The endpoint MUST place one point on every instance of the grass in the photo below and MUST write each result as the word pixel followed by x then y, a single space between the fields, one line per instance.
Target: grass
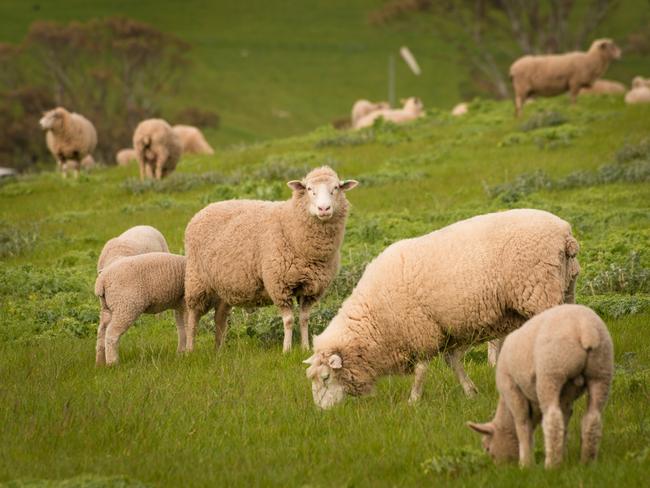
pixel 245 416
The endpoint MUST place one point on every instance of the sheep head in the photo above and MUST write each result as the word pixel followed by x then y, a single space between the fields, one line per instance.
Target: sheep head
pixel 499 442
pixel 326 385
pixel 53 119
pixel 606 48
pixel 323 191
pixel 413 104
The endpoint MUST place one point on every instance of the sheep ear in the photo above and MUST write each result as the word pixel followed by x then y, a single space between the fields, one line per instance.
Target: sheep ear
pixel 348 185
pixel 309 360
pixel 485 429
pixel 335 361
pixel 296 185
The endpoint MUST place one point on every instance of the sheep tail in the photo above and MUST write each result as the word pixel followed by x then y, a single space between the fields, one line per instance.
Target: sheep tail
pixel 571 247
pixel 589 337
pixel 99 288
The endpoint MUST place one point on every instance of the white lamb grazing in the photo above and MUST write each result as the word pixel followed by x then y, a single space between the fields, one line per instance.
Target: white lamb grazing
pixel 140 239
pixel 544 367
pixel 192 140
pixel 640 92
pixel 157 147
pixel 126 156
pixel 362 108
pixel 411 110
pixel 472 281
pixel 70 137
pixel 251 253
pixel 133 285
pixel 553 74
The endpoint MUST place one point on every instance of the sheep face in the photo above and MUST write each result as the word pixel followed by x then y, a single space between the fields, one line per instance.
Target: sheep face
pixel 323 191
pixel 499 443
pixel 325 384
pixel 52 119
pixel 607 48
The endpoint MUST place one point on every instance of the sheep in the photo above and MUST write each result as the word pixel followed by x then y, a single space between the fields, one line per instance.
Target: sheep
pixel 640 92
pixel 70 137
pixel 157 147
pixel 411 110
pixel 253 253
pixel 147 283
pixel 192 140
pixel 125 156
pixel 543 368
pixel 460 109
pixel 140 239
pixel 554 74
pixel 604 87
pixel 469 282
pixel 363 107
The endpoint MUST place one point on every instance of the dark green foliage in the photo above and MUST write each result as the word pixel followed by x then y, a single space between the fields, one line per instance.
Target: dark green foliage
pixel 455 462
pixel 544 119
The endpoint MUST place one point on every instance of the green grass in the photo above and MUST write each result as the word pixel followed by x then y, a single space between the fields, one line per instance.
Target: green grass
pixel 245 416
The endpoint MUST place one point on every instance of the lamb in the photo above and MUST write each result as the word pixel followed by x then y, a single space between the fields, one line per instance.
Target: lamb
pixel 640 92
pixel 466 283
pixel 140 239
pixel 544 367
pixel 460 109
pixel 157 147
pixel 192 140
pixel 604 87
pixel 363 107
pixel 70 137
pixel 252 253
pixel 124 157
pixel 411 110
pixel 554 74
pixel 133 285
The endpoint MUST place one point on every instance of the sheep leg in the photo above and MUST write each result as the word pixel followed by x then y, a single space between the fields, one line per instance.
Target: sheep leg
pixel 148 171
pixel 193 317
pixel 287 319
pixel 142 170
pixel 455 361
pixel 221 312
pixel 305 309
pixel 118 325
pixel 519 103
pixel 100 349
pixel 180 315
pixel 548 391
pixel 494 348
pixel 159 171
pixel 591 428
pixel 520 409
pixel 418 383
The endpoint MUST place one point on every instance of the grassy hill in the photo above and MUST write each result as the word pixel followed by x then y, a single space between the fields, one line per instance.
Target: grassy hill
pixel 245 416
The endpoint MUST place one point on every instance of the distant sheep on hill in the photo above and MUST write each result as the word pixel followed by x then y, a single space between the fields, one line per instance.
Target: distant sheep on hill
pixel 126 156
pixel 361 108
pixel 157 147
pixel 411 110
pixel 604 87
pixel 192 140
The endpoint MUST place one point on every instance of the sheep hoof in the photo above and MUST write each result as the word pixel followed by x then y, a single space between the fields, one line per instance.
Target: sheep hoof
pixel 471 391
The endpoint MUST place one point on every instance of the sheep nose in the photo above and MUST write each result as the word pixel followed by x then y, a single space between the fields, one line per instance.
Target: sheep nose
pixel 325 209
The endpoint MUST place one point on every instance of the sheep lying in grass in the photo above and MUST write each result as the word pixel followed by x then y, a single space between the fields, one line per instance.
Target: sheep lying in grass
pixel 460 109
pixel 126 156
pixel 554 74
pixel 543 368
pixel 604 87
pixel 131 286
pixel 466 283
pixel 140 239
pixel 361 108
pixel 411 110
pixel 192 140
pixel 253 253
pixel 70 137
pixel 157 147
pixel 640 92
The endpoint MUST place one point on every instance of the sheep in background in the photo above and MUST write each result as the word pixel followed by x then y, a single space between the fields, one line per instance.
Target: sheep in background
pixel 140 239
pixel 412 109
pixel 460 109
pixel 544 367
pixel 361 108
pixel 604 87
pixel 192 140
pixel 251 253
pixel 640 92
pixel 157 147
pixel 126 156
pixel 466 283
pixel 147 283
pixel 70 137
pixel 554 74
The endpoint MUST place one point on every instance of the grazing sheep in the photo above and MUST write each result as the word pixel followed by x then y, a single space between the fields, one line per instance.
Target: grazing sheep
pixel 604 87
pixel 124 157
pixel 192 140
pixel 466 283
pixel 362 108
pixel 157 147
pixel 140 239
pixel 253 253
pixel 554 74
pixel 412 109
pixel 460 109
pixel 543 368
pixel 70 137
pixel 640 92
pixel 133 285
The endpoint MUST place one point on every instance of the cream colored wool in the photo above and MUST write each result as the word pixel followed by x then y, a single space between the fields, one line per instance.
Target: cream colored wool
pixel 192 140
pixel 411 110
pixel 604 87
pixel 146 283
pixel 252 253
pixel 126 156
pixel 543 368
pixel 157 147
pixel 140 239
pixel 460 109
pixel 70 137
pixel 640 92
pixel 553 74
pixel 469 282
pixel 362 108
